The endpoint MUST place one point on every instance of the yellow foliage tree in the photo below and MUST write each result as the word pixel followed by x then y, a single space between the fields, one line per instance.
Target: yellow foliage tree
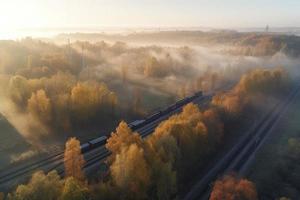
pixel 74 190
pixel 190 135
pixel 232 188
pixel 123 137
pixel 258 82
pixel 40 186
pixel 130 172
pixel 40 106
pixel 90 97
pixel 73 159
pixel 19 90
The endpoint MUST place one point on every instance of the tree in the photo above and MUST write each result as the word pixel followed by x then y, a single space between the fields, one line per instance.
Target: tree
pixel 189 134
pixel 40 186
pixel 90 98
pixel 104 191
pixel 40 106
pixel 233 188
pixel 61 112
pixel 152 67
pixel 123 137
pixel 233 103
pixel 81 99
pixel 130 172
pixel 164 146
pixel 74 190
pixel 214 126
pixel 73 159
pixel 165 180
pixel 19 91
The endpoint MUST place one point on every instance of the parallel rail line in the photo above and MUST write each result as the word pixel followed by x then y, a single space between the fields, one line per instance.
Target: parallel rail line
pixel 236 158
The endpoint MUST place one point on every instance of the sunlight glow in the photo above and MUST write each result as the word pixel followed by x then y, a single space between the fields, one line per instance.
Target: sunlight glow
pixel 32 14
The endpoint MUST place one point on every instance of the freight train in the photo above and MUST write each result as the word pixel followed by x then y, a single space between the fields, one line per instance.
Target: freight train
pixel 139 123
pixel 93 144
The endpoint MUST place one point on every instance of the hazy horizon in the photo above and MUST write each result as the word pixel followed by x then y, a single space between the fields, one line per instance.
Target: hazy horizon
pixel 48 32
pixel 233 14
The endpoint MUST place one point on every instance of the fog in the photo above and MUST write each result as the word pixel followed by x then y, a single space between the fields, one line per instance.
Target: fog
pixel 145 76
pixel 30 129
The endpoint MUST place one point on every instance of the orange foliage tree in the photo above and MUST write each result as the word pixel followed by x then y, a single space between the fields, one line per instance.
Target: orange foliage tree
pixel 123 137
pixel 40 106
pixel 233 188
pixel 255 83
pixel 73 159
pixel 131 172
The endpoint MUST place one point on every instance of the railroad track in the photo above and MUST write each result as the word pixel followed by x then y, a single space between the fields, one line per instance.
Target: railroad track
pixel 55 161
pixel 238 156
pixel 144 132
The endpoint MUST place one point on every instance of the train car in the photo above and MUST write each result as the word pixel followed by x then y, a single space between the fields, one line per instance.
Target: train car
pixel 136 124
pixel 85 147
pixel 153 116
pixel 199 94
pixel 98 142
pixel 170 108
pixel 181 102
pixel 190 99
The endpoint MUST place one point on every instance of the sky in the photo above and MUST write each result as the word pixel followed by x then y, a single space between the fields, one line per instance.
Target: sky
pixel 148 13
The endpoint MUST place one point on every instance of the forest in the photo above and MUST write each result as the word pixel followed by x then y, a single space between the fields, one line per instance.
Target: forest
pixel 70 88
pixel 232 42
pixel 159 166
pixel 149 100
pixel 68 91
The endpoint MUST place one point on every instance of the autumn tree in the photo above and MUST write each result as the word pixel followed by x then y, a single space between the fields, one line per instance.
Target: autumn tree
pixel 215 126
pixel 123 137
pixel 19 91
pixel 40 186
pixel 40 106
pixel 135 163
pixel 73 159
pixel 88 98
pixel 74 190
pixel 178 138
pixel 264 81
pixel 256 83
pixel 131 172
pixel 62 112
pixel 233 188
pixel 83 102
pixel 151 67
pixel 164 178
pixel 104 190
pixel 233 103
